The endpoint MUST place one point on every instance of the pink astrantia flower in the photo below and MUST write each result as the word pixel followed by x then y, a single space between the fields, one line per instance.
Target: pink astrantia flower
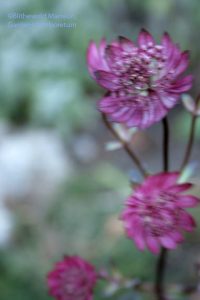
pixel 155 213
pixel 142 81
pixel 72 279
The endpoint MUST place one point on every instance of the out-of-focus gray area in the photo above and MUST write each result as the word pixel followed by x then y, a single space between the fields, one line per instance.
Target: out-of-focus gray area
pixel 61 192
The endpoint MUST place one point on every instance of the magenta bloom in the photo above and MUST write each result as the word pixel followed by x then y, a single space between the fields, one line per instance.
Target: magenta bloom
pixel 155 213
pixel 72 279
pixel 142 81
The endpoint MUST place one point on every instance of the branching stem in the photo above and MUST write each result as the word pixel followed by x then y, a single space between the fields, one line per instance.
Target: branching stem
pixel 125 146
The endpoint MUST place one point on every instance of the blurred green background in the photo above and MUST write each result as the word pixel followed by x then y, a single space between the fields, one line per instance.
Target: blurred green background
pixel 60 191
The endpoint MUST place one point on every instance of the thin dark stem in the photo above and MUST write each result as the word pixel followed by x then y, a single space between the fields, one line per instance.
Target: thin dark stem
pixel 161 264
pixel 125 146
pixel 159 289
pixel 189 144
pixel 165 145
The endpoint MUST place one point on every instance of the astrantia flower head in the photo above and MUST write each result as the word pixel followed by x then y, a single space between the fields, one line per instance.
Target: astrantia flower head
pixel 72 279
pixel 142 81
pixel 155 213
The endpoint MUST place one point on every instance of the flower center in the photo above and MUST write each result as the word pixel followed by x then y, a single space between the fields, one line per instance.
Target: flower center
pixel 74 284
pixel 139 72
pixel 159 215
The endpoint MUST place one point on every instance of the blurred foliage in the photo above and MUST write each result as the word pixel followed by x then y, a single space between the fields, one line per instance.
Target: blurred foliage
pixel 44 83
pixel 44 80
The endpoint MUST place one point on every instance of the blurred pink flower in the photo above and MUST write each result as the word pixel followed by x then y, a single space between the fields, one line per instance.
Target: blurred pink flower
pixel 72 279
pixel 142 81
pixel 155 213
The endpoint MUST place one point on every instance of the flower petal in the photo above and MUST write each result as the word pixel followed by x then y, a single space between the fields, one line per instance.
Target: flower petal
pixel 135 118
pixel 187 201
pixel 121 115
pixel 107 104
pixel 186 221
pixel 145 39
pixel 173 60
pixel 168 99
pixel 176 236
pixel 182 64
pixel 113 55
pixel 168 242
pixel 92 57
pixel 139 239
pixel 181 85
pixel 152 244
pixel 135 232
pixel 178 188
pixel 95 57
pixel 102 63
pixel 167 44
pixel 161 180
pixel 159 110
pixel 107 80
pixel 126 44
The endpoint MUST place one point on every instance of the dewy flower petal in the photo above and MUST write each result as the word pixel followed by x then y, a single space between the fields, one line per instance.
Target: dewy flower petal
pixel 143 80
pixel 155 214
pixel 72 279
